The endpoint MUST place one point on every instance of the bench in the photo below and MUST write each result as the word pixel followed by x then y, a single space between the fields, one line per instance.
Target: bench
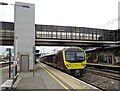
pixel 9 83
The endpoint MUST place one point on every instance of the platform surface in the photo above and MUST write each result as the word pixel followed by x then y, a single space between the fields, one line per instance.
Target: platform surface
pixel 46 77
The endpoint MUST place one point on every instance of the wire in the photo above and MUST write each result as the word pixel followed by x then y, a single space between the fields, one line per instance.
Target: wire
pixel 110 22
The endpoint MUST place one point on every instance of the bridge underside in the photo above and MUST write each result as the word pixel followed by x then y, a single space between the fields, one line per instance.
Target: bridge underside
pixel 51 42
pixel 48 42
pixel 7 42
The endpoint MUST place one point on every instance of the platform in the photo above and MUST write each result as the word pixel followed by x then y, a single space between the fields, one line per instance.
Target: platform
pixel 46 77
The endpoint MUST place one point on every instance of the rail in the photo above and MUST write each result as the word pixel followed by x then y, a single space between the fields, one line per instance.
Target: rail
pixel 104 66
pixel 105 73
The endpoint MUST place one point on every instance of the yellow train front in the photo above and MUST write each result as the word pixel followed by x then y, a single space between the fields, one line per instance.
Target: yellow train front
pixel 71 60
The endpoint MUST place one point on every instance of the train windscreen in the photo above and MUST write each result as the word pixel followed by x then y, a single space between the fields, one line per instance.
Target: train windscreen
pixel 75 56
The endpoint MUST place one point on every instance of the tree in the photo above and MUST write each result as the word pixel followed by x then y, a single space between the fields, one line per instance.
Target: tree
pixel 2 57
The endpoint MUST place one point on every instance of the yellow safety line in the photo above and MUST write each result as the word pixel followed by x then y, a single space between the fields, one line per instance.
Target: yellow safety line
pixel 56 79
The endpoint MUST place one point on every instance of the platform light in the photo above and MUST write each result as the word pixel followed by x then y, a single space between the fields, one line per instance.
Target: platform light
pixel 1 3
pixel 24 6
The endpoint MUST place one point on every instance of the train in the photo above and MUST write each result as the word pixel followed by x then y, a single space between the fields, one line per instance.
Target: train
pixel 71 60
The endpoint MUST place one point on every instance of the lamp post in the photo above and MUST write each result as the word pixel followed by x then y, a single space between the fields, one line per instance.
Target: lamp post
pixel 9 63
pixel 25 6
pixel 15 55
pixel 9 50
pixel 2 3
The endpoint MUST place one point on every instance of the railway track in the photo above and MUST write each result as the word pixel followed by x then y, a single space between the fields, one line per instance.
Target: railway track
pixel 105 73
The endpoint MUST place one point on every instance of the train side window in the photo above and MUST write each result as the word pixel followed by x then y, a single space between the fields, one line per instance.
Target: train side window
pixel 55 59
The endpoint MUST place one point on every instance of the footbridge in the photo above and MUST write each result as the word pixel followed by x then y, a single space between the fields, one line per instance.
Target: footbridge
pixel 53 35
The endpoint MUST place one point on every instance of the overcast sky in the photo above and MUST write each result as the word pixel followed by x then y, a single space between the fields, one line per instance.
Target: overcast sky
pixel 81 13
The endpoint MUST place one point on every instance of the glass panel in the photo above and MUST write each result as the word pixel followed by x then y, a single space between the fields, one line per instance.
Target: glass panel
pixel 73 36
pixel 54 34
pixel 68 29
pixel 86 35
pixel 82 30
pixel 54 28
pixel 49 34
pixel 44 27
pixel 82 36
pixel 70 56
pixel 79 56
pixel 77 35
pixel 44 34
pixel 58 34
pixel 94 37
pixel 98 37
pixel 63 35
pixel 90 36
pixel 77 29
pixel 68 35
pixel 75 57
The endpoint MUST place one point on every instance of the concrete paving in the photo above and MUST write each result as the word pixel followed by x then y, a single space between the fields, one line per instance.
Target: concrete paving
pixel 41 80
pixel 4 75
pixel 47 78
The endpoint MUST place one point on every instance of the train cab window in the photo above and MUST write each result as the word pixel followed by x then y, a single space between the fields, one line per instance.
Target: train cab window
pixel 79 56
pixel 70 56
pixel 75 57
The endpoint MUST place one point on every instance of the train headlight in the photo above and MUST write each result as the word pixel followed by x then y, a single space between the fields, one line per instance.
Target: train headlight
pixel 68 65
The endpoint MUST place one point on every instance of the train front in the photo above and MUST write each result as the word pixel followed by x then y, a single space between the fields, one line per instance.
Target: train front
pixel 74 60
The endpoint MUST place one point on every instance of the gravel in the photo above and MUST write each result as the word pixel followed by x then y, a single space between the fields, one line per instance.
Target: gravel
pixel 102 82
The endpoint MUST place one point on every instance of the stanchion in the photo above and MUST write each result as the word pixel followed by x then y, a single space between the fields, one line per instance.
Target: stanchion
pixel 9 63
